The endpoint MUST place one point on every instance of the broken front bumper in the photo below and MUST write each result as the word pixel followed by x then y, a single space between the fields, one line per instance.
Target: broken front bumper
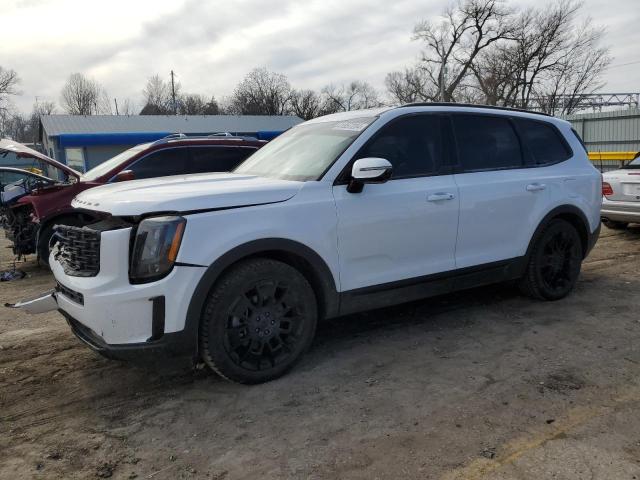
pixel 169 344
pixel 45 302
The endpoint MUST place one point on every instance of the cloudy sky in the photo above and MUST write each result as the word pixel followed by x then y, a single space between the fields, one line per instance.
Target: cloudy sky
pixel 211 45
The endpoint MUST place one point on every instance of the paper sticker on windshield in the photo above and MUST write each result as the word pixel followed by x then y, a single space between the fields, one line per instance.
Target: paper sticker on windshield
pixel 355 125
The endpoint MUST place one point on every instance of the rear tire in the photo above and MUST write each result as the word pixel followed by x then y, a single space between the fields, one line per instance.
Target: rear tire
pixel 612 224
pixel 555 262
pixel 258 321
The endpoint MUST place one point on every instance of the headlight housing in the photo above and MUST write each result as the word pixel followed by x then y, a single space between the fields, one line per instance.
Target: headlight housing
pixel 155 248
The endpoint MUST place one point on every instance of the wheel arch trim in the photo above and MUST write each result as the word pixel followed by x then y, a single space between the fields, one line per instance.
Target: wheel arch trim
pixel 276 248
pixel 576 217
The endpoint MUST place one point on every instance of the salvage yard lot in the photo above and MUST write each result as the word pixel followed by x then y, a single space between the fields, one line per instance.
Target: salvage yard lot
pixel 480 384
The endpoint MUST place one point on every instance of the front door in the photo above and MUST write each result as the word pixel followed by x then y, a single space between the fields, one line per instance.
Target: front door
pixel 404 228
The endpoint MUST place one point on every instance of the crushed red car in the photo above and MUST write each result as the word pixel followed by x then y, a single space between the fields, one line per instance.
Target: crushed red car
pixel 30 210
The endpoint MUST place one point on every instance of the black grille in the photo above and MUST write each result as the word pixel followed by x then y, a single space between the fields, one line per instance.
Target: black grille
pixel 78 250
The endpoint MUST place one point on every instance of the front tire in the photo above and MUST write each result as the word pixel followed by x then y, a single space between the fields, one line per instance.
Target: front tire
pixel 555 262
pixel 258 321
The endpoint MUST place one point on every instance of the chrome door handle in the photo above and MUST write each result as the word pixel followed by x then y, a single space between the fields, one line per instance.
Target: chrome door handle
pixel 536 187
pixel 437 197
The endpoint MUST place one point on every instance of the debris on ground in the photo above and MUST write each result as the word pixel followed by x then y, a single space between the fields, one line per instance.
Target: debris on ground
pixel 12 274
pixel 488 452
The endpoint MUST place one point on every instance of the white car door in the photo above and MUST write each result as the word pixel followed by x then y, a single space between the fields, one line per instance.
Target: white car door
pixel 404 228
pixel 504 189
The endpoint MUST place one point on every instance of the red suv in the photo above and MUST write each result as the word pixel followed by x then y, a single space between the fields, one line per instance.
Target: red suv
pixel 32 206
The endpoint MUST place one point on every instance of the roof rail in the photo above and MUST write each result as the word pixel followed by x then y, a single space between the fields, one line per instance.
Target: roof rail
pixel 231 136
pixel 175 135
pixel 171 136
pixel 221 134
pixel 471 105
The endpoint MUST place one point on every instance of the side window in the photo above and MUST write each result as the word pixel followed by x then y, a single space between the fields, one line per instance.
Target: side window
pixel 171 161
pixel 486 143
pixel 412 144
pixel 11 177
pixel 217 159
pixel 543 142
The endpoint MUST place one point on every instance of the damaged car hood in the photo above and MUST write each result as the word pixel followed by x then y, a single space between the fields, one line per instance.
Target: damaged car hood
pixel 186 193
pixel 22 151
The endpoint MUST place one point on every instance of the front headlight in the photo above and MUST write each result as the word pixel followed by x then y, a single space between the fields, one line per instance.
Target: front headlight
pixel 155 248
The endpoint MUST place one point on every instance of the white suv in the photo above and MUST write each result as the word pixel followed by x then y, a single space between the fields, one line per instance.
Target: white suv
pixel 340 214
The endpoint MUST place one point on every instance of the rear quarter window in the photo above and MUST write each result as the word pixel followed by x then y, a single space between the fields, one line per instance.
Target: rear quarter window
pixel 486 142
pixel 543 142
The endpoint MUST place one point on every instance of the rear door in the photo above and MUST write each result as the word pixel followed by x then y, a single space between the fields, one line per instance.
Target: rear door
pixel 404 228
pixel 161 163
pixel 216 158
pixel 501 196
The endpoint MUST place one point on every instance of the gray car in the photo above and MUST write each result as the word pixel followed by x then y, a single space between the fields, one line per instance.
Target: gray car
pixel 621 195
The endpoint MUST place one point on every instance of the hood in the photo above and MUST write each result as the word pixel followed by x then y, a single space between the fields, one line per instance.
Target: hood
pixel 25 152
pixel 185 193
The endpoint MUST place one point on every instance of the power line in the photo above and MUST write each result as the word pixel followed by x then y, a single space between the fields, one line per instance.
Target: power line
pixel 624 64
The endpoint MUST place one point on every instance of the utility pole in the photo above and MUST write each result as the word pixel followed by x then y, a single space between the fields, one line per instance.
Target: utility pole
pixel 115 100
pixel 441 80
pixel 173 94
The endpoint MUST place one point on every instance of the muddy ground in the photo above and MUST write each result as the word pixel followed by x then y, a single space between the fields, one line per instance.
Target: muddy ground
pixel 483 384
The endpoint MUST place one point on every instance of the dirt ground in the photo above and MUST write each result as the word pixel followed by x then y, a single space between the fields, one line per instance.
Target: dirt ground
pixel 483 384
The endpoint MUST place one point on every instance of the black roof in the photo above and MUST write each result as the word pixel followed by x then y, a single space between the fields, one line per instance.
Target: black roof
pixel 471 105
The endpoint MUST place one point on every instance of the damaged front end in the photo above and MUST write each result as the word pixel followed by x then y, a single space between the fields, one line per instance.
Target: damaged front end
pixel 21 228
pixel 26 175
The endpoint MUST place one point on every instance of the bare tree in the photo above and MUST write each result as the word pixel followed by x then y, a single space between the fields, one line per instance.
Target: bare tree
pixel 195 104
pixel 452 45
pixel 84 96
pixel 157 97
pixel 8 82
pixel 549 62
pixel 306 104
pixel 16 126
pixel 32 133
pixel 409 86
pixel 496 76
pixel 261 92
pixel 355 95
pixel 579 72
pixel 126 107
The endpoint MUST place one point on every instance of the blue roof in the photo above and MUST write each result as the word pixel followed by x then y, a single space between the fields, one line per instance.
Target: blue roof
pixel 90 139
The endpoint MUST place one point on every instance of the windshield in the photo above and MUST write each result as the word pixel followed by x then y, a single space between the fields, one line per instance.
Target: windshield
pixel 113 162
pixel 33 165
pixel 306 151
pixel 635 163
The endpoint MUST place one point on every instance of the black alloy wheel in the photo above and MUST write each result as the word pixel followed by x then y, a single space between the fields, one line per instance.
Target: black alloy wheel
pixel 555 262
pixel 259 320
pixel 263 325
